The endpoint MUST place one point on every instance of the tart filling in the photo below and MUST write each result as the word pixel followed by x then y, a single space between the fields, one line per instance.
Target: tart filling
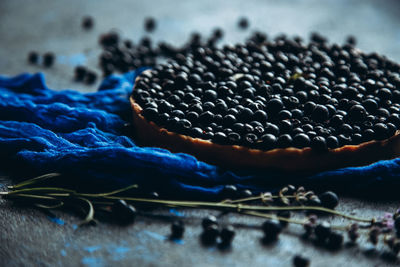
pixel 291 159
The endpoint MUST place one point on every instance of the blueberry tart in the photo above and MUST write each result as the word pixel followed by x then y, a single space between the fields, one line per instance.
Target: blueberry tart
pixel 278 105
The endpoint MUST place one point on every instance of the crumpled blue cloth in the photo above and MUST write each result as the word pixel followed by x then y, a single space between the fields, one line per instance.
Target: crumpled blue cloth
pixel 84 135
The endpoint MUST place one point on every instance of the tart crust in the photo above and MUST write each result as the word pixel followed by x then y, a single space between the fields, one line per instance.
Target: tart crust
pixel 236 157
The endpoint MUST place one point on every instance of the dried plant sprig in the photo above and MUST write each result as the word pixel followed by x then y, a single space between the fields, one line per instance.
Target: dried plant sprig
pixel 56 197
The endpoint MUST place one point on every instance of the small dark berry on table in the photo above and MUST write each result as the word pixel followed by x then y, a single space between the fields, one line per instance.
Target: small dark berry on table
pixel 284 214
pixel 301 261
pixel 374 235
pixel 351 40
pixel 329 200
pixel 209 235
pixel 243 23
pixel 87 22
pixel 123 213
pixel 335 240
pixel 33 57
pixel 322 231
pixel 48 59
pixel 229 191
pixel 177 229
pixel 352 232
pixel 271 229
pixel 209 220
pixel 218 33
pixel 80 73
pixel 91 77
pixel 150 24
pixel 227 234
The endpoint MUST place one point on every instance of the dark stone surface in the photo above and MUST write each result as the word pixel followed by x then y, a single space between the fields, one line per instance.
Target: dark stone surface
pixel 29 238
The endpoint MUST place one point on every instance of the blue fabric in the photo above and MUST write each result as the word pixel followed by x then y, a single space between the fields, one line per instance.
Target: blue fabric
pixel 83 135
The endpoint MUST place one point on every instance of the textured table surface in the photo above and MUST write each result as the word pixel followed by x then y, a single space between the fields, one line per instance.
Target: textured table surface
pixel 29 238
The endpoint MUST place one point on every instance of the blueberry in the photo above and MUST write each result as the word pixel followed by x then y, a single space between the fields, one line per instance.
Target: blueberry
pixel 285 126
pixel 210 95
pixel 80 73
pixel 322 231
pixel 250 139
pixel 329 199
pixel 274 106
pixel 87 22
pixel 150 24
pixel 332 142
pixel 318 143
pixel 320 113
pixel 261 116
pixel 177 229
pixel 206 117
pixel 284 115
pixel 301 140
pixel 210 234
pixel 220 138
pixel 284 141
pixel 48 59
pixel 33 57
pixel 300 261
pixel 227 234
pixel 335 240
pixel 123 213
pixel 271 229
pixel 357 113
pixel 381 131
pixel 243 23
pixel 150 114
pixel 284 214
pixel 272 129
pixel 370 105
pixel 246 114
pixel 268 141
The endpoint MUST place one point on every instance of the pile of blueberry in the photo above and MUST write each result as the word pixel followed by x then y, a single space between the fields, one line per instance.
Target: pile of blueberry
pixel 275 94
pixel 123 55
